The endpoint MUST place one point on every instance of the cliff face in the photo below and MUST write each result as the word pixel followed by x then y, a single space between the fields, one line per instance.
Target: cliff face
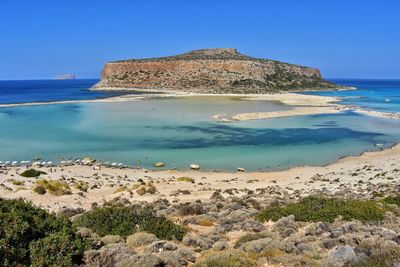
pixel 221 70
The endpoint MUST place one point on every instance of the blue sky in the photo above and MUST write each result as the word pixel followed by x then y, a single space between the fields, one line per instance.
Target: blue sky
pixel 348 39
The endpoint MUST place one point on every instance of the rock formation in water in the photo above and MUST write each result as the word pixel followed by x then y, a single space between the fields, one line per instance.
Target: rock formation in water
pixel 219 70
pixel 64 77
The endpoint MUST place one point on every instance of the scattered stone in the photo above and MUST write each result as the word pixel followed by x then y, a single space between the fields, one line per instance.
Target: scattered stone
pixel 159 164
pixel 69 212
pixel 341 256
pixel 197 242
pixel 286 226
pixel 256 246
pixel 161 245
pixel 195 167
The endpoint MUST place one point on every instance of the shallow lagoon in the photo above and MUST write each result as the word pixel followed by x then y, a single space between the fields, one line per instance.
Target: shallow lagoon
pixel 181 131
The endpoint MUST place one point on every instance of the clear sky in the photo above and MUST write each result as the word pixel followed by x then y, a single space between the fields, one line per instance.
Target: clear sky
pixel 347 39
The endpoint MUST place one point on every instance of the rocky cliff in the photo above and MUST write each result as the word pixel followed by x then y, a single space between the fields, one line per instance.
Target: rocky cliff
pixel 220 70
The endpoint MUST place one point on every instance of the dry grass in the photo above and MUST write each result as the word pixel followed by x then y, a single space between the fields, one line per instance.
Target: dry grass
pixel 148 188
pixel 81 185
pixel 16 182
pixel 19 188
pixel 206 222
pixel 54 187
pixel 185 179
pixel 120 189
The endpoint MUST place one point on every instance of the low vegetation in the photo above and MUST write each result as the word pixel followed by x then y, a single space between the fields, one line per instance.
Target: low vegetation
pixel 185 179
pixel 30 236
pixel 16 182
pixel 324 209
pixel 392 200
pixel 206 222
pixel 148 188
pixel 124 221
pixel 81 185
pixel 32 173
pixel 250 237
pixel 378 255
pixel 226 258
pixel 140 239
pixel 54 187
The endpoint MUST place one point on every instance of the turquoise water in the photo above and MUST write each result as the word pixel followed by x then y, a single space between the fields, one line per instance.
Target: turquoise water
pixel 181 131
pixel 380 95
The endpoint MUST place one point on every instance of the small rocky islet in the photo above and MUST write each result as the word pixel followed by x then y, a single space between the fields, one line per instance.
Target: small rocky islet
pixel 211 71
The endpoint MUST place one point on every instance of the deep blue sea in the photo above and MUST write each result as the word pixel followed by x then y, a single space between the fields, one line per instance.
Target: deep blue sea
pixel 181 131
pixel 26 91
pixel 381 95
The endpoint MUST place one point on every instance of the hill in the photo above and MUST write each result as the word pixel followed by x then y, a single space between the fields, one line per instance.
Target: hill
pixel 218 70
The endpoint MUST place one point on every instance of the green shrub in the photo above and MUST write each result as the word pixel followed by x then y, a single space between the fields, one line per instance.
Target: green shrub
pixel 319 208
pixel 32 173
pixel 127 220
pixel 57 249
pixel 226 258
pixel 31 236
pixel 392 200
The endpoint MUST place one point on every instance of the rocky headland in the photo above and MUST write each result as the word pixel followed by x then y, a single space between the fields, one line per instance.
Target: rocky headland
pixel 215 71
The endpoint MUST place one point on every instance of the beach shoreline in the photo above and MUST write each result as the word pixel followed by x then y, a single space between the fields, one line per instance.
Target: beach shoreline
pixel 106 183
pixel 302 104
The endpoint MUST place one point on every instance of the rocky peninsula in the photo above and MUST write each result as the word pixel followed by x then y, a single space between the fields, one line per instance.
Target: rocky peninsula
pixel 211 71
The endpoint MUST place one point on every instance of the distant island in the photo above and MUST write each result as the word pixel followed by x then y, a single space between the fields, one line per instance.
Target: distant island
pixel 64 77
pixel 217 70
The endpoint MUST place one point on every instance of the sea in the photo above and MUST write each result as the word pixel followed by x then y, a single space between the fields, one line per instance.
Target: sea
pixel 181 131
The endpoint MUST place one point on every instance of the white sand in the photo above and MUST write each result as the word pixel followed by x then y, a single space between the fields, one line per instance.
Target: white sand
pixel 108 180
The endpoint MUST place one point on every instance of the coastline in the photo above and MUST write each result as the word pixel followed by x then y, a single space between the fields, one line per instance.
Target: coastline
pixel 107 183
pixel 302 104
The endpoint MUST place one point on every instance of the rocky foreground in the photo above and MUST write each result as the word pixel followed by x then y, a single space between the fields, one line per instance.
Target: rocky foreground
pixel 221 71
pixel 343 214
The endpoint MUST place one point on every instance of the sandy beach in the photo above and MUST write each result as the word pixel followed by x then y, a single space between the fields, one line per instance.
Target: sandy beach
pixel 106 183
pixel 301 104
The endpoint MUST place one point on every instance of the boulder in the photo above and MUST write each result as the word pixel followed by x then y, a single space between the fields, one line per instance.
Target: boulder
pixel 108 256
pixel 159 164
pixel 195 167
pixel 161 245
pixel 88 161
pixel 69 212
pixel 256 246
pixel 197 242
pixel 286 226
pixel 341 256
